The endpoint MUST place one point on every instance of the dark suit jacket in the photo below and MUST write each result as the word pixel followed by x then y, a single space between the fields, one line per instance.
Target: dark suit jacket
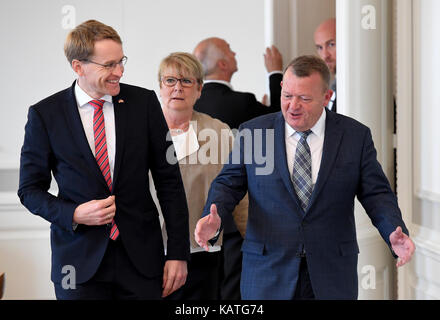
pixel 277 225
pixel 234 108
pixel 55 143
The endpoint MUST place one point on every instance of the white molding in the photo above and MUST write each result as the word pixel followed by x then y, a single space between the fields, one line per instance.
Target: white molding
pixel 36 234
pixel 268 22
pixel 427 290
pixel 9 201
pixel 8 162
pixel 16 223
pixel 424 280
pixel 293 30
pixel 428 195
pixel 427 241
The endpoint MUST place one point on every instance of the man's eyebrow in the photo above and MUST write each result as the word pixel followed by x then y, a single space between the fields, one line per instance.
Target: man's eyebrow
pixel 113 61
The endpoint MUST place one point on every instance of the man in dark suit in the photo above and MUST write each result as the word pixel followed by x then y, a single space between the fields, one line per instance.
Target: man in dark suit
pixel 325 42
pixel 301 237
pixel 220 101
pixel 99 138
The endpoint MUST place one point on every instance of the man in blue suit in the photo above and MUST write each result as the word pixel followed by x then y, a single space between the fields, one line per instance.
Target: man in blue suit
pixel 301 237
pixel 99 138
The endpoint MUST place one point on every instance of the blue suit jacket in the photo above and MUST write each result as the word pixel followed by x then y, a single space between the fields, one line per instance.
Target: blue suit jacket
pixel 277 225
pixel 55 143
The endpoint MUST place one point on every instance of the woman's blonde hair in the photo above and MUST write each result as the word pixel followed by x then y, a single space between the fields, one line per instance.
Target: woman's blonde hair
pixel 184 63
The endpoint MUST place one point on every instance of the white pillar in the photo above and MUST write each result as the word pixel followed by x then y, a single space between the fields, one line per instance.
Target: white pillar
pixel 404 119
pixel 277 29
pixel 364 92
pixel 364 69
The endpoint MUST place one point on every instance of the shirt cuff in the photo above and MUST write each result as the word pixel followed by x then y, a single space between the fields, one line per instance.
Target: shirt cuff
pixel 274 72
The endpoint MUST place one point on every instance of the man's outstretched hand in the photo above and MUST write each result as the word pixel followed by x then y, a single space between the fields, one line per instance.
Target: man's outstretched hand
pixel 402 246
pixel 207 227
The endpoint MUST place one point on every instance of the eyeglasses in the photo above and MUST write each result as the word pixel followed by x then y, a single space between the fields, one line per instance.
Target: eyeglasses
pixel 172 81
pixel 110 66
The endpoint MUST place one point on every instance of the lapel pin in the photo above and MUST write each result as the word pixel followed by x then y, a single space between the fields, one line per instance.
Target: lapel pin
pixel 120 101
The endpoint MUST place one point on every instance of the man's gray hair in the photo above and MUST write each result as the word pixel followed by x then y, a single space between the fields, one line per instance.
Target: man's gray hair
pixel 209 57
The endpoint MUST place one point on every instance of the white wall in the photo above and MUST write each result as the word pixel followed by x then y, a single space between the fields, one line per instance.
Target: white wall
pixel 34 63
pixel 424 279
pixel 34 67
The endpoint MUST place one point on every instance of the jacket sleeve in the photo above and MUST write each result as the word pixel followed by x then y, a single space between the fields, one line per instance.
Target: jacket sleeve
pixel 230 186
pixel 375 193
pixel 36 164
pixel 275 91
pixel 168 182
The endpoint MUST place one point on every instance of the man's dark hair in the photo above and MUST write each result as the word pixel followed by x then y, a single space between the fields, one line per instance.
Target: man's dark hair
pixel 304 66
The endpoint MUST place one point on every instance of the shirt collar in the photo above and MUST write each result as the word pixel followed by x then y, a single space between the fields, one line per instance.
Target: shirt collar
pixel 318 128
pixel 186 143
pixel 82 98
pixel 228 84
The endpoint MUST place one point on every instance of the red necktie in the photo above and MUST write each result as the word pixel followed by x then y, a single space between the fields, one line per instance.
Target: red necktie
pixel 101 154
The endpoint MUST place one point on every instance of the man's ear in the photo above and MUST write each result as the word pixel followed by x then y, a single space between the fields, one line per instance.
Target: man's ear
pixel 328 96
pixel 77 67
pixel 281 84
pixel 222 64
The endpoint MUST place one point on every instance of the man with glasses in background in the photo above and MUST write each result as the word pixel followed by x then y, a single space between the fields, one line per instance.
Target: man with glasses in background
pixel 99 139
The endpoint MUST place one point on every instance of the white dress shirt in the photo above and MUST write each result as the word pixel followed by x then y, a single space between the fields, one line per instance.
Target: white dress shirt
pixel 186 143
pixel 315 140
pixel 86 111
pixel 332 101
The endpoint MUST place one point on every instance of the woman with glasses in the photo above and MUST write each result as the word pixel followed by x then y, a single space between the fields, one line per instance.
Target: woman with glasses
pixel 202 145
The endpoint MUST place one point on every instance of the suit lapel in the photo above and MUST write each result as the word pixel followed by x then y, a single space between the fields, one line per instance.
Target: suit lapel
pixel 332 142
pixel 281 158
pixel 76 128
pixel 120 108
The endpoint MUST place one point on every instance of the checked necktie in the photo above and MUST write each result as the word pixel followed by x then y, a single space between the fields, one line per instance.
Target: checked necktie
pixel 302 170
pixel 101 154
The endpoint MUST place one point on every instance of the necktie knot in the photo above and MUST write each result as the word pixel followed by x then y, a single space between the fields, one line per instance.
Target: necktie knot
pixel 304 134
pixel 97 104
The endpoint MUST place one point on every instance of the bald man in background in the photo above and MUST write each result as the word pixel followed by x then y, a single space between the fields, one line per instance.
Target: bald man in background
pixel 325 42
pixel 219 100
